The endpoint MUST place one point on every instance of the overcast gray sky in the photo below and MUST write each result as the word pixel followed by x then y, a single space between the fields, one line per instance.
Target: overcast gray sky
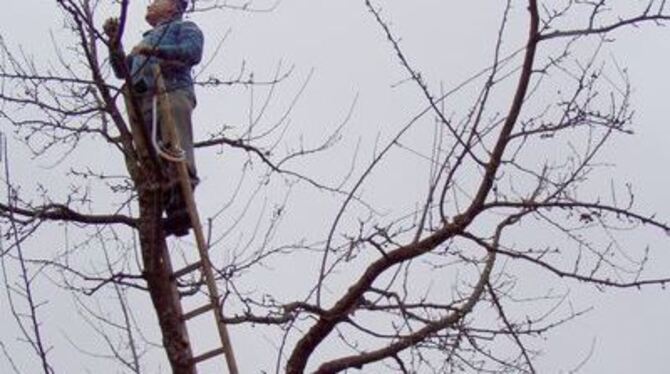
pixel 339 41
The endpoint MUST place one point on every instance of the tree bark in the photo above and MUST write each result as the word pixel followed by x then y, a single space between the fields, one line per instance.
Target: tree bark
pixel 163 291
pixel 155 256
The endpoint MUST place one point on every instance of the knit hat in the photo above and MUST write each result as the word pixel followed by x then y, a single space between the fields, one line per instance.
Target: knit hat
pixel 182 4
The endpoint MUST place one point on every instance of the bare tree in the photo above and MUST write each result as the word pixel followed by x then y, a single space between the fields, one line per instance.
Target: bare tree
pixel 429 289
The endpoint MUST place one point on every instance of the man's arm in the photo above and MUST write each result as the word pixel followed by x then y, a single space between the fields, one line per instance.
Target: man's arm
pixel 120 64
pixel 188 47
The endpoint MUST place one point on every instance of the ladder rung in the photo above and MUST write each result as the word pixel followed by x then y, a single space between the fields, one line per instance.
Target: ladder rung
pixel 186 270
pixel 196 312
pixel 208 355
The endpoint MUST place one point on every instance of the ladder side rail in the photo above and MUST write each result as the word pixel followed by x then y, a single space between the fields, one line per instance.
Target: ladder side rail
pixel 187 191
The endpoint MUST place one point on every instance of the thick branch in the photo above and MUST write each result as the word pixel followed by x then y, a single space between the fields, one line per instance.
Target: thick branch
pixel 605 29
pixel 512 115
pixel 303 350
pixel 647 220
pixel 57 212
pixel 357 361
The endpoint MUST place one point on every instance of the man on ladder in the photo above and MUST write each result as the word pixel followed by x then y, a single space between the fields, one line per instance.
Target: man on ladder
pixel 175 45
pixel 159 70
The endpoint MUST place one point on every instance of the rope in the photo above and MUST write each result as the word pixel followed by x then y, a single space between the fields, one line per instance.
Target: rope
pixel 174 155
pixel 3 145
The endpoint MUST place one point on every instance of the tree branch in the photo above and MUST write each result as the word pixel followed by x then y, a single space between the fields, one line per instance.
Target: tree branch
pixel 58 212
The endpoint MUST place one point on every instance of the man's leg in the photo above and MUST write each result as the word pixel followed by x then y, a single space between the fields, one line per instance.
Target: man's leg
pixel 182 105
pixel 181 109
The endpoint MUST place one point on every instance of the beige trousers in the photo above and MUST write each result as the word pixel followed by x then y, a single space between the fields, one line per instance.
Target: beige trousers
pixel 181 108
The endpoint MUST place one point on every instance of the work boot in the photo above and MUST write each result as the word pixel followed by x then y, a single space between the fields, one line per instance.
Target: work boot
pixel 177 223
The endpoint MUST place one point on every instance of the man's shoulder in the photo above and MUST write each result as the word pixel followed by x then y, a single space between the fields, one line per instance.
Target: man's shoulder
pixel 186 24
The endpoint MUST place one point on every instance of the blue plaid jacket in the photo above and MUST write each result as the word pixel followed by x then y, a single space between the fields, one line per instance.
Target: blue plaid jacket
pixel 178 47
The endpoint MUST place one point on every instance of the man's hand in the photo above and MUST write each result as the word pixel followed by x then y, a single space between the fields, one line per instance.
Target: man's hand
pixel 111 28
pixel 143 49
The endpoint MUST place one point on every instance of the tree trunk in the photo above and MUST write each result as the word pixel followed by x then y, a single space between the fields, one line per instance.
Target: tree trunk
pixel 155 256
pixel 162 288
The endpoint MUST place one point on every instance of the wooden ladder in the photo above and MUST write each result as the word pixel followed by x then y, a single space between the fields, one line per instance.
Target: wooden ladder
pixel 204 265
